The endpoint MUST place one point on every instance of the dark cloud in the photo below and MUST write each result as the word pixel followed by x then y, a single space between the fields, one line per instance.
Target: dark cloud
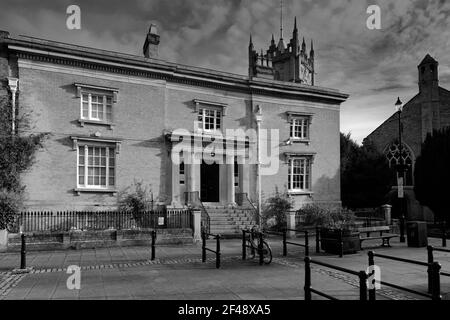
pixel 373 66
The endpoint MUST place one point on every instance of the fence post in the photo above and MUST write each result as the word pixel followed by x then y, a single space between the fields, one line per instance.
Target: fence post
pixel 218 251
pixel 307 287
pixel 317 240
pixel 372 293
pixel 306 243
pixel 23 252
pixel 153 244
pixel 362 286
pixel 203 246
pixel 436 286
pixel 284 243
pixel 429 270
pixel 341 244
pixel 444 236
pixel 244 246
pixel 260 249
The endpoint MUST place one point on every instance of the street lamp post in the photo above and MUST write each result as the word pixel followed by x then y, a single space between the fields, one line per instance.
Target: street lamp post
pixel 258 118
pixel 400 170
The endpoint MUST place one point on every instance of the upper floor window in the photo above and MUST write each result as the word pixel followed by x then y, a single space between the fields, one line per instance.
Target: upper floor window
pixel 96 104
pixel 236 172
pixel 299 174
pixel 96 107
pixel 300 128
pixel 300 124
pixel 209 119
pixel 209 115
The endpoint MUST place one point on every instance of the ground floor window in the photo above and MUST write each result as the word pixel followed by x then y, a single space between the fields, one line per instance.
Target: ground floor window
pixel 299 174
pixel 96 167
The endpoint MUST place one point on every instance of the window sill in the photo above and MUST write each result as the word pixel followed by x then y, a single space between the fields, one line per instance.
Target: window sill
pixel 78 191
pixel 298 140
pixel 101 123
pixel 300 193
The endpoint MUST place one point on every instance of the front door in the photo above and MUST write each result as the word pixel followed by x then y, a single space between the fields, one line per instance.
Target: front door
pixel 209 178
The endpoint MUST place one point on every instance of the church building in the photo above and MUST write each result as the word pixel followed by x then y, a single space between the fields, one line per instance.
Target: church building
pixel 428 110
pixel 116 118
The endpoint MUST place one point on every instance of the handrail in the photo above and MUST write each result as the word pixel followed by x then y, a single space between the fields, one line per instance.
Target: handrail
pixel 362 275
pixel 433 270
pixel 205 236
pixel 430 250
pixel 420 263
pixel 255 210
pixel 208 219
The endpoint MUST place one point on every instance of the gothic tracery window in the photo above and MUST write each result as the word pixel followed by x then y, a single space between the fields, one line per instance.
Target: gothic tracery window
pixel 393 156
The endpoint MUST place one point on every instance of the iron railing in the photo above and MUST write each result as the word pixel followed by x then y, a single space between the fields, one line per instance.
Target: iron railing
pixel 102 220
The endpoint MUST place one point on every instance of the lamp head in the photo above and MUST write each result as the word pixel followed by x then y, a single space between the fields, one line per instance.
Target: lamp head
pixel 258 114
pixel 399 105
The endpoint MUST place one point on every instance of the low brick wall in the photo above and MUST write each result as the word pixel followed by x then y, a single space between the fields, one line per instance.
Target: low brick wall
pixel 97 239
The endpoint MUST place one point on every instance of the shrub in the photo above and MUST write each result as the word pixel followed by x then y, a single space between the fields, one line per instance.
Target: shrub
pixel 9 208
pixel 275 210
pixel 333 218
pixel 136 200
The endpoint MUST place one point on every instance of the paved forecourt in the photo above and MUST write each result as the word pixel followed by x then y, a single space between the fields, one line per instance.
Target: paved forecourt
pixel 178 273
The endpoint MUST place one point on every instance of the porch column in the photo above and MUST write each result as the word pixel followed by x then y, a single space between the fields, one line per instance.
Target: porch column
pixel 244 178
pixel 230 180
pixel 176 200
pixel 191 174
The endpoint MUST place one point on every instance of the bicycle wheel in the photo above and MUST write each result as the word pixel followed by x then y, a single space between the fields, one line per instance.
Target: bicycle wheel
pixel 267 253
pixel 251 251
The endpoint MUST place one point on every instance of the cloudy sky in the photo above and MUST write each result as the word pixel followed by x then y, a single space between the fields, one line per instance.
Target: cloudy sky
pixel 373 66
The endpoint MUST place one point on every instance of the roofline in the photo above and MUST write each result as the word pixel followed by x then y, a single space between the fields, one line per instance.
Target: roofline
pixel 31 46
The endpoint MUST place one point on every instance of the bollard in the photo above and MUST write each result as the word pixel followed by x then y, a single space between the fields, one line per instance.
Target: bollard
pixel 218 251
pixel 306 243
pixel 317 240
pixel 260 249
pixel 244 246
pixel 341 244
pixel 153 244
pixel 402 228
pixel 307 287
pixel 429 269
pixel 284 243
pixel 436 286
pixel 372 293
pixel 362 286
pixel 203 246
pixel 23 252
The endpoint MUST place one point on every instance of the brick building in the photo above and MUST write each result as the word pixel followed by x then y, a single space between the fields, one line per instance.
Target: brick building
pixel 115 117
pixel 426 111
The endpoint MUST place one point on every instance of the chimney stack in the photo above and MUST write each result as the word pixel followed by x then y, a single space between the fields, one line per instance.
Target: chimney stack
pixel 151 42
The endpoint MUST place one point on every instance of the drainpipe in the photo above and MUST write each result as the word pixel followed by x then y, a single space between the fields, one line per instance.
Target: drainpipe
pixel 13 84
pixel 258 118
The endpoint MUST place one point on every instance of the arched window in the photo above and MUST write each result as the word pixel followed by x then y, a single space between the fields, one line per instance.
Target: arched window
pixel 393 156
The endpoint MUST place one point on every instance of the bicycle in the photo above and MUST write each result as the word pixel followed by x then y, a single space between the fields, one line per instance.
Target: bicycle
pixel 252 246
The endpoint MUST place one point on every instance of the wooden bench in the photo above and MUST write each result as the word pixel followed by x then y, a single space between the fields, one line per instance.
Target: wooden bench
pixel 386 237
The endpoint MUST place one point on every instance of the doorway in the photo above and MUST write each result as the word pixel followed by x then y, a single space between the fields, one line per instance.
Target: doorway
pixel 210 184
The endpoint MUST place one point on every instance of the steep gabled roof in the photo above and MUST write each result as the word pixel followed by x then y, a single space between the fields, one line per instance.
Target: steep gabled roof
pixel 428 59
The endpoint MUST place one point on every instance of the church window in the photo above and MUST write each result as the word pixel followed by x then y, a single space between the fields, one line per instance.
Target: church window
pixel 393 156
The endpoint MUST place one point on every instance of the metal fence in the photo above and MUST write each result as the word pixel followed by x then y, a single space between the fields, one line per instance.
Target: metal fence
pixel 102 220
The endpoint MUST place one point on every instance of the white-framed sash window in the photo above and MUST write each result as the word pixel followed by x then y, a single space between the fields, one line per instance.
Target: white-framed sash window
pixel 96 107
pixel 96 167
pixel 299 174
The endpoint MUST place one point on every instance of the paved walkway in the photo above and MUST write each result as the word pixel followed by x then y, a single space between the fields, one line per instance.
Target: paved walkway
pixel 178 273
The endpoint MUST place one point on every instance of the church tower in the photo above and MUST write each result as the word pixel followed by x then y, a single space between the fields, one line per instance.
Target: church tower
pixel 283 62
pixel 151 43
pixel 429 95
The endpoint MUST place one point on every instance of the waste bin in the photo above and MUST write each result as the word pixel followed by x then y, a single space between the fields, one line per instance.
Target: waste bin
pixel 416 233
